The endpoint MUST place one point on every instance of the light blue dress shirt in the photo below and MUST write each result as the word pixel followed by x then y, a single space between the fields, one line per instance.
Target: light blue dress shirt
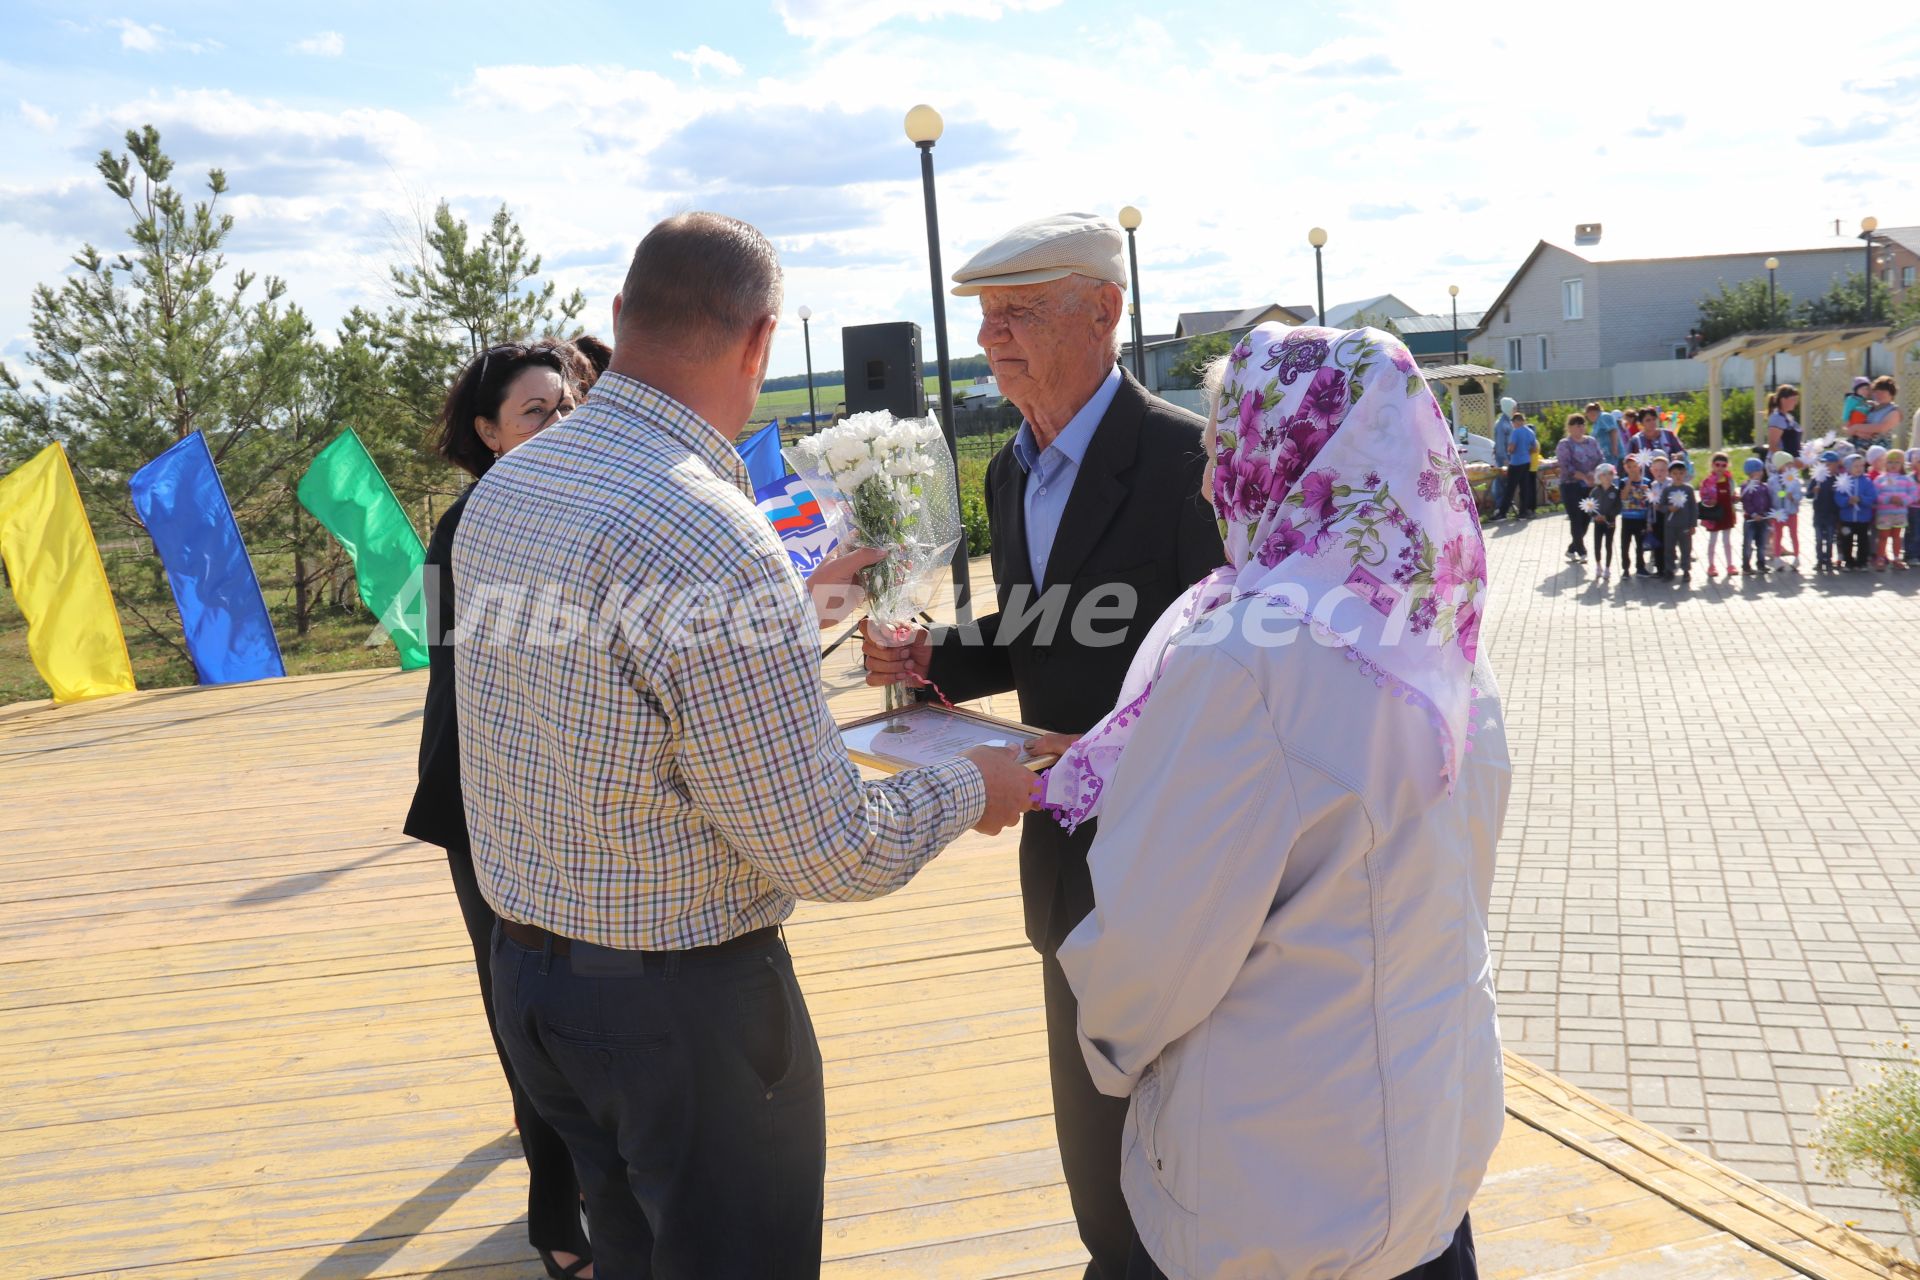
pixel 1051 472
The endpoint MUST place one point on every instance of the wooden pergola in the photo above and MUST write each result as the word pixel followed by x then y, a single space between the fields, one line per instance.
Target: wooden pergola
pixel 1449 378
pixel 1761 346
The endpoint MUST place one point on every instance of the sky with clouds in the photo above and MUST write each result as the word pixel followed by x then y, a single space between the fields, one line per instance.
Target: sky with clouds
pixel 1435 143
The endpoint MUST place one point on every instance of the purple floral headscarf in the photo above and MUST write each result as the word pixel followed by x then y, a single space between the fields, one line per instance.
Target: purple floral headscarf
pixel 1341 500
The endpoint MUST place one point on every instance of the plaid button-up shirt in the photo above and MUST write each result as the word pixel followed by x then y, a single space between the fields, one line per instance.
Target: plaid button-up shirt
pixel 647 758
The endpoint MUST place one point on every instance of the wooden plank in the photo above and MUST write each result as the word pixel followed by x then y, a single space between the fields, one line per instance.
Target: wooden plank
pixel 223 1055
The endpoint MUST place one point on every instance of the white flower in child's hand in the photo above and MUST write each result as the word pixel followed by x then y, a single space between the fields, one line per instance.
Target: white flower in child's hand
pixel 1844 485
pixel 1819 472
pixel 1589 506
pixel 1677 499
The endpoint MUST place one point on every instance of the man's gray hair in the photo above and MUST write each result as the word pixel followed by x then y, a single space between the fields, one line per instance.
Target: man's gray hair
pixel 1085 292
pixel 1213 380
pixel 699 281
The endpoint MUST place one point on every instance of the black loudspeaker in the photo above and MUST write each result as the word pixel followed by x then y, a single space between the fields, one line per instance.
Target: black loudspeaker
pixel 882 365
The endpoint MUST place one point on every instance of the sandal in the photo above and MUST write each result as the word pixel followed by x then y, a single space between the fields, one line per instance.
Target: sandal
pixel 569 1272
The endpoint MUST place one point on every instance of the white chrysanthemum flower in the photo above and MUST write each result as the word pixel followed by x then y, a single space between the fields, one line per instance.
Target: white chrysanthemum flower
pixel 1844 485
pixel 1819 472
pixel 1677 499
pixel 1589 506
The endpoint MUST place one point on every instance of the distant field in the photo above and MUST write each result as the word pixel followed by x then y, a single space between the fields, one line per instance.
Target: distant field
pixel 826 398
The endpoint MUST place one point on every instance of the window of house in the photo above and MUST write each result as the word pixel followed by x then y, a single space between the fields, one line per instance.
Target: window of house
pixel 1906 277
pixel 1516 348
pixel 1573 299
pixel 1543 351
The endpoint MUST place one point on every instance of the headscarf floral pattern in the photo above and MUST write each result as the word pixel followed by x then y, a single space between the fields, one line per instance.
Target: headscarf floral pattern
pixel 1334 472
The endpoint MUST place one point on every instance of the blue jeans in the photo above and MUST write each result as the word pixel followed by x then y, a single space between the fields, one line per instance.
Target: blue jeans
pixel 1826 538
pixel 687 1086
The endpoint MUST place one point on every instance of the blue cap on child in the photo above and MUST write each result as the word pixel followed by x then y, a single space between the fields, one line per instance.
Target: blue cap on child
pixel 1753 465
pixel 1831 455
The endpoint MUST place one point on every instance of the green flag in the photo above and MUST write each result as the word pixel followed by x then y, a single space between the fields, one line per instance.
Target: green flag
pixel 346 493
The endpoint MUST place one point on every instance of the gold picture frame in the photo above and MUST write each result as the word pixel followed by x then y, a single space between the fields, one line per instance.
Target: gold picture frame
pixel 928 733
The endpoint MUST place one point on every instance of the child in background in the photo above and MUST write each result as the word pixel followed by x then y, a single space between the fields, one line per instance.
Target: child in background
pixel 1756 503
pixel 1633 517
pixel 1853 413
pixel 1856 497
pixel 1680 512
pixel 1912 550
pixel 1651 539
pixel 1717 493
pixel 1894 494
pixel 1826 511
pixel 1876 454
pixel 1787 495
pixel 1606 517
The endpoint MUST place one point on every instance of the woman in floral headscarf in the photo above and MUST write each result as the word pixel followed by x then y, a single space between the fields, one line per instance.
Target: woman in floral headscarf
pixel 1286 966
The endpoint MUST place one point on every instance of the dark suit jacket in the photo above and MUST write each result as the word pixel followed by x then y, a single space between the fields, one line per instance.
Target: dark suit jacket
pixel 1136 521
pixel 439 814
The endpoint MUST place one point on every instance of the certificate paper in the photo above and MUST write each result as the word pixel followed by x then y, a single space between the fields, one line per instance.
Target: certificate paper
pixel 926 734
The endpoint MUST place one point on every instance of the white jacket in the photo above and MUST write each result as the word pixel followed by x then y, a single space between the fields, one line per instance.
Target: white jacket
pixel 1287 966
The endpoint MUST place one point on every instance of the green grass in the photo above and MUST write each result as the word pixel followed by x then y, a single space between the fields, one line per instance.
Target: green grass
pixel 335 641
pixel 827 397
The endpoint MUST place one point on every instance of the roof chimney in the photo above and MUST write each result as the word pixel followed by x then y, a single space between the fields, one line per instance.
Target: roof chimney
pixel 1586 233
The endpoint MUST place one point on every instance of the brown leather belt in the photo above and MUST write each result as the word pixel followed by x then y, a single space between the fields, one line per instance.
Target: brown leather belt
pixel 534 938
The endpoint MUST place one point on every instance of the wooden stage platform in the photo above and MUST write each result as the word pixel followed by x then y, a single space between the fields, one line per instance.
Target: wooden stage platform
pixel 240 1039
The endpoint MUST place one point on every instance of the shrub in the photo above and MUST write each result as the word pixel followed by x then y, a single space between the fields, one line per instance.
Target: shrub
pixel 1877 1128
pixel 973 518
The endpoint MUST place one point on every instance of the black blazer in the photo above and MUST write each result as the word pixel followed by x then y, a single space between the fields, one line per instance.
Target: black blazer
pixel 439 814
pixel 1136 519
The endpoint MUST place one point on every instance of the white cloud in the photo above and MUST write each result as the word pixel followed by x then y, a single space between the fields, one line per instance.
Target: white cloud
pixel 43 121
pixel 844 19
pixel 325 44
pixel 705 59
pixel 141 38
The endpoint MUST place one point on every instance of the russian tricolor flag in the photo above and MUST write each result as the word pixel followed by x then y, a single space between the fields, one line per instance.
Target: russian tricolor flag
pixel 787 502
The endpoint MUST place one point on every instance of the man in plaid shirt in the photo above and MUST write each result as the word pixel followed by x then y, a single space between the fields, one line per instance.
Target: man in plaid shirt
pixel 652 778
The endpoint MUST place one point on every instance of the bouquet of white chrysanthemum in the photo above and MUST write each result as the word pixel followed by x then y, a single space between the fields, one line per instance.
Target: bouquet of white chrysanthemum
pixel 887 483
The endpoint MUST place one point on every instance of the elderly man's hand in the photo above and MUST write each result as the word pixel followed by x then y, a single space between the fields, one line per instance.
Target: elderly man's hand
pixel 833 587
pixel 904 662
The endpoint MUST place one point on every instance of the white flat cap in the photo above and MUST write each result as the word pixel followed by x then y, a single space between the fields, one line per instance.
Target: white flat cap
pixel 1050 248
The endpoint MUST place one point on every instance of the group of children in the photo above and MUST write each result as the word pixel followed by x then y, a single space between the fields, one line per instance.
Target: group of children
pixel 1865 503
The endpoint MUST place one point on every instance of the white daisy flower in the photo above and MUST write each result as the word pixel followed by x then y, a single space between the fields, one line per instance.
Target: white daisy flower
pixel 1677 499
pixel 1589 506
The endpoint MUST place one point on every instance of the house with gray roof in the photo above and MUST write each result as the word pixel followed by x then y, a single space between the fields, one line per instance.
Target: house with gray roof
pixel 1596 320
pixel 1192 324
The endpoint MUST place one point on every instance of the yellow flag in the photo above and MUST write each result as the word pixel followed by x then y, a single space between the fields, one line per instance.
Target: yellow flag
pixel 73 630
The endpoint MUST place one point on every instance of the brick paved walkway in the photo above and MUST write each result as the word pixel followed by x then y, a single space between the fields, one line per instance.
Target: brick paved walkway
pixel 1708 902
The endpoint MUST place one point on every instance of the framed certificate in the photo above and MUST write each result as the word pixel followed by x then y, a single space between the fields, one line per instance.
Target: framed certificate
pixel 927 733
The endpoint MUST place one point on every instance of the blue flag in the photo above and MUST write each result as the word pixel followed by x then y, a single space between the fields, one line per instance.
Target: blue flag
pixel 761 452
pixel 181 501
pixel 797 518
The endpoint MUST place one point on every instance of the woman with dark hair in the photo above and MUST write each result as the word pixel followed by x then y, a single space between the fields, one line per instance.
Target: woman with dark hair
pixel 1783 428
pixel 506 396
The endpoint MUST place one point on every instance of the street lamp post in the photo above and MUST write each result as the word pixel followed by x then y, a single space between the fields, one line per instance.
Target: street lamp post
pixel 1867 227
pixel 1318 239
pixel 924 127
pixel 1130 220
pixel 1453 292
pixel 1773 321
pixel 806 333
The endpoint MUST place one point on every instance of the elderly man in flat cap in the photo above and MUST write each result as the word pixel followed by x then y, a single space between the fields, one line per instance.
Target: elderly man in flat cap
pixel 1098 523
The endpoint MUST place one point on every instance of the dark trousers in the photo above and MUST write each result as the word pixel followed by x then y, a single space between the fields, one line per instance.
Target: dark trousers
pixel 1826 535
pixel 1855 540
pixel 1521 490
pixel 1457 1263
pixel 1603 542
pixel 1638 532
pixel 553 1194
pixel 687 1085
pixel 1571 493
pixel 1676 551
pixel 1756 542
pixel 1088 1126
